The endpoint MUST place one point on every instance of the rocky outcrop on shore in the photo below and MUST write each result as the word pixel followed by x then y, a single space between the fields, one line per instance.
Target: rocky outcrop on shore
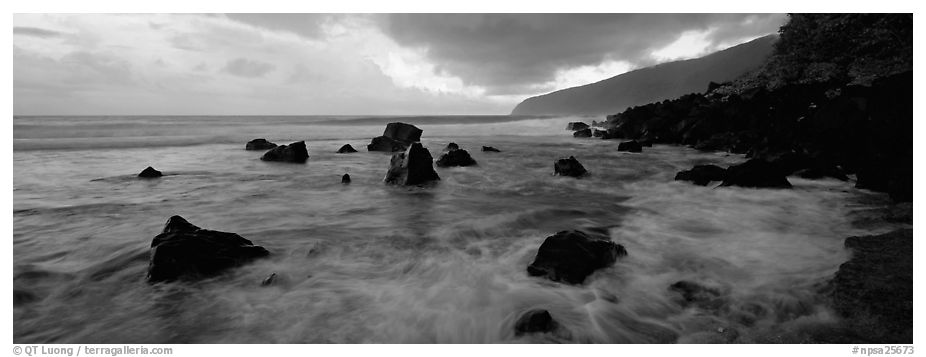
pixel 150 172
pixel 259 144
pixel 412 167
pixel 571 256
pixel 294 153
pixel 396 137
pixel 576 125
pixel 873 291
pixel 185 251
pixel 755 173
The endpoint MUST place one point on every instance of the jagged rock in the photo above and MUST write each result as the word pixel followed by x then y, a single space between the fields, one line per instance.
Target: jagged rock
pixel 259 144
pixel 490 149
pixel 452 147
pixel 345 178
pixel 295 153
pixel 630 146
pixel 535 321
pixel 584 133
pixel 571 256
pixel 756 173
pixel 569 167
pixel 412 167
pixel 150 172
pixel 396 137
pixel 346 149
pixel 458 157
pixel 874 289
pixel 576 125
pixel 701 175
pixel 183 250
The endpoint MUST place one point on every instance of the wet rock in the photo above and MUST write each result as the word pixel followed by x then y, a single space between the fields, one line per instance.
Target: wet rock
pixel 756 173
pixel 584 133
pixel 259 144
pixel 569 167
pixel 150 172
pixel 451 147
pixel 571 256
pixel 346 149
pixel 535 321
pixel 490 149
pixel 294 153
pixel 693 293
pixel 456 157
pixel 874 289
pixel 345 179
pixel 701 175
pixel 396 137
pixel 412 167
pixel 576 125
pixel 630 146
pixel 185 251
pixel 269 280
pixel 820 171
pixel 599 133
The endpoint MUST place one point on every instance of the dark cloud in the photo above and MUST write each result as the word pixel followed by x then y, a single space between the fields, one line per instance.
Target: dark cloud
pixel 247 68
pixel 36 32
pixel 514 53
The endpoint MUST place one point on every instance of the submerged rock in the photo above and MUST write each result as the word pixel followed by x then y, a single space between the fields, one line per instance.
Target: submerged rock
pixel 396 137
pixel 455 157
pixel 693 293
pixel 490 149
pixel 569 167
pixel 630 146
pixel 571 256
pixel 701 175
pixel 412 167
pixel 295 153
pixel 535 321
pixel 874 289
pixel 183 250
pixel 150 172
pixel 576 125
pixel 269 280
pixel 346 149
pixel 259 144
pixel 345 178
pixel 756 173
pixel 584 133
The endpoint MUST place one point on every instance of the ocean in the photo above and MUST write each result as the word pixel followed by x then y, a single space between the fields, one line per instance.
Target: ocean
pixel 373 263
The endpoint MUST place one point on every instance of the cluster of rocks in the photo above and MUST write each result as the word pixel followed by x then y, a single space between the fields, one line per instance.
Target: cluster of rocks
pixel 294 153
pixel 755 173
pixel 396 137
pixel 834 129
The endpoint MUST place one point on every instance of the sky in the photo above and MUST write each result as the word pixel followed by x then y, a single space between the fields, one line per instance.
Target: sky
pixel 341 64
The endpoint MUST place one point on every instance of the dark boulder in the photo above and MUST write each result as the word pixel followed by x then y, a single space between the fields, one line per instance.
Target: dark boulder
pixel 406 133
pixel 820 171
pixel 569 167
pixel 451 147
pixel 412 167
pixel 630 146
pixel 269 280
pixel 259 144
pixel 535 321
pixel 701 175
pixel 874 289
pixel 295 153
pixel 345 178
pixel 458 157
pixel 576 125
pixel 756 173
pixel 150 172
pixel 396 137
pixel 571 256
pixel 490 149
pixel 382 143
pixel 598 133
pixel 584 133
pixel 183 250
pixel 346 149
